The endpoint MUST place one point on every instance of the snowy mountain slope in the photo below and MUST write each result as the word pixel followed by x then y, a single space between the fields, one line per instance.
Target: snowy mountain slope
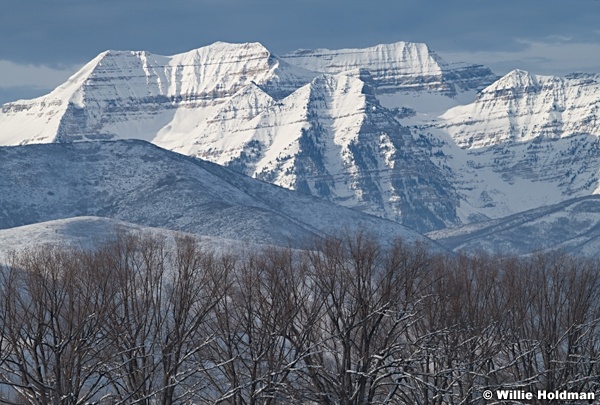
pixel 140 183
pixel 572 226
pixel 220 128
pixel 401 66
pixel 527 141
pixel 496 181
pixel 521 107
pixel 332 139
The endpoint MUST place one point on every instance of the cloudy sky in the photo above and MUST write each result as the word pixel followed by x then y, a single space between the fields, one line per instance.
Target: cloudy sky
pixel 43 42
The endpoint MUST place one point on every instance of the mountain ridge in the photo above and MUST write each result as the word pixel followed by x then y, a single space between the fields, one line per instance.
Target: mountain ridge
pixel 140 183
pixel 572 226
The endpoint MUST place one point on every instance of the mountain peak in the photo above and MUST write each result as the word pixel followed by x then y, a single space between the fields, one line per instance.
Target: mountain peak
pixel 401 55
pixel 516 79
pixel 227 50
pixel 396 67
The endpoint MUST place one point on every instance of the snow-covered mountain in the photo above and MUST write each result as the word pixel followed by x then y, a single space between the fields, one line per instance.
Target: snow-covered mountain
pixel 137 182
pixel 534 139
pixel 332 139
pixel 240 106
pixel 124 94
pixel 391 130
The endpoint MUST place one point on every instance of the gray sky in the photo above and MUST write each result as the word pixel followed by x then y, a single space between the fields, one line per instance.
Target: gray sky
pixel 43 42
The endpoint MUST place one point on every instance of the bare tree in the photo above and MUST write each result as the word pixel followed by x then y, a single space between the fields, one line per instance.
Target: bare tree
pixel 194 288
pixel 462 331
pixel 155 317
pixel 369 301
pixel 255 360
pixel 52 319
pixel 565 320
pixel 142 320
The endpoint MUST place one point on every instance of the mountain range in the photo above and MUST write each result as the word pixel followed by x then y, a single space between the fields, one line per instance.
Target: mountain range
pixel 391 130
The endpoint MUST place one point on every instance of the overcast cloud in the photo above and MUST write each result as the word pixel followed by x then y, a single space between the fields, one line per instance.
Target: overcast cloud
pixel 51 39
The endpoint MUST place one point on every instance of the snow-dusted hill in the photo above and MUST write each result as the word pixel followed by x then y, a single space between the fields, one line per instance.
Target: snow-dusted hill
pixel 92 232
pixel 572 226
pixel 140 183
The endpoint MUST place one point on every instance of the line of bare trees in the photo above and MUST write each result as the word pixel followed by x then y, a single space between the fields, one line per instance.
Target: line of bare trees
pixel 140 321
